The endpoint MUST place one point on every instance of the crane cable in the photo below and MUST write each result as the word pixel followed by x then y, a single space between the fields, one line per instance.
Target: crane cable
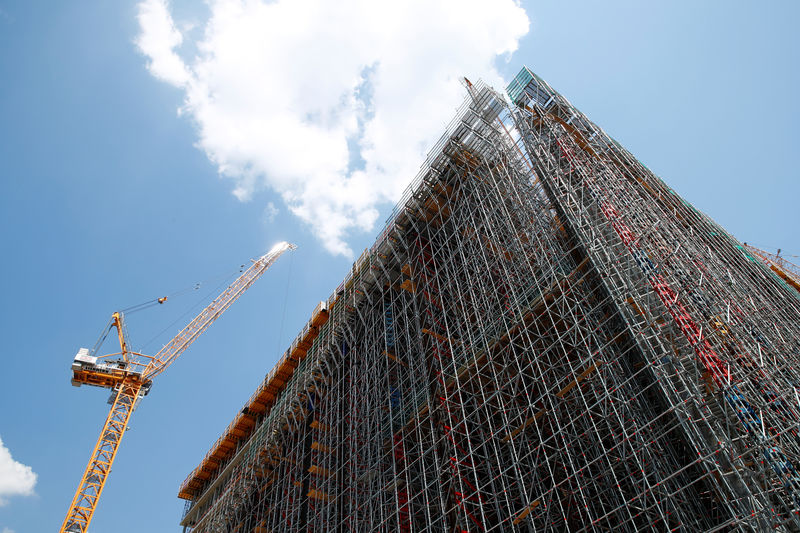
pixel 216 290
pixel 285 300
pixel 144 305
pixel 103 336
pixel 157 301
pixel 189 288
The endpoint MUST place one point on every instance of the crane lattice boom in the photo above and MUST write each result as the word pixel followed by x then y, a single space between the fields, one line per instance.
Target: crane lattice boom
pixel 130 378
pixel 187 335
pixel 785 269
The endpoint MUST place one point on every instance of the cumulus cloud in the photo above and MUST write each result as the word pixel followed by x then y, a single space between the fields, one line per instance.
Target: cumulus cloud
pixel 157 41
pixel 333 105
pixel 16 479
pixel 270 212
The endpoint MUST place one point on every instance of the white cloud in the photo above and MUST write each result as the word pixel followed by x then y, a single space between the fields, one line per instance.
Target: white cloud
pixel 270 212
pixel 8 530
pixel 333 105
pixel 16 479
pixel 158 39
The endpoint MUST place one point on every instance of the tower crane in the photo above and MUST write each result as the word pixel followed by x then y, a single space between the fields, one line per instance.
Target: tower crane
pixel 129 376
pixel 782 267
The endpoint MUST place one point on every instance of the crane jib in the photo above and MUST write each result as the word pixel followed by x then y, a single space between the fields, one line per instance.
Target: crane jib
pixel 130 378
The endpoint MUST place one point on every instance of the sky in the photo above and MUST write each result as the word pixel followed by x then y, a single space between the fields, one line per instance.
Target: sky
pixel 148 148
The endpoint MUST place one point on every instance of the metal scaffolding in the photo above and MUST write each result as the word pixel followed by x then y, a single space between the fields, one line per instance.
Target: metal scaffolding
pixel 544 337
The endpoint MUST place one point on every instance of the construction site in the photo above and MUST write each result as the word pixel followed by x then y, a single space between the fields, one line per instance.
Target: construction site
pixel 543 337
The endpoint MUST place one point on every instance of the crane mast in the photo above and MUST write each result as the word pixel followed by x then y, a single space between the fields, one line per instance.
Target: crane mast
pixel 130 377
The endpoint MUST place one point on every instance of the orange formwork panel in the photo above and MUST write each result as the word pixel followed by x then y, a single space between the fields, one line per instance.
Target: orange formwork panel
pixel 259 403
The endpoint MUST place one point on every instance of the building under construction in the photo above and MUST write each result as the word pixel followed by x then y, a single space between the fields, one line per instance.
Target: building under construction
pixel 545 336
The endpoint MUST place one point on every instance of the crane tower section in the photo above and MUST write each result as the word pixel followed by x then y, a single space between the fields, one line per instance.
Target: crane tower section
pixel 129 375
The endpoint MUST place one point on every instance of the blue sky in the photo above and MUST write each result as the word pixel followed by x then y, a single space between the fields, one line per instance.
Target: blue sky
pixel 108 198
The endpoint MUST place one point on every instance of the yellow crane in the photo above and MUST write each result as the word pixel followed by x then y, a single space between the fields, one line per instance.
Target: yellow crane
pixel 782 267
pixel 130 376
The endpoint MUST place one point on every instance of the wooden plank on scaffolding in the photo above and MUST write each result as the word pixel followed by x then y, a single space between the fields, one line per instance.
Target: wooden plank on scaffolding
pixel 496 249
pixel 393 357
pixel 261 473
pixel 547 296
pixel 319 495
pixel 560 394
pixel 574 382
pixel 319 471
pixel 526 512
pixel 266 485
pixel 635 306
pixel 409 286
pixel 476 361
pixel 261 527
pixel 316 424
pixel 316 445
pixel 527 423
pixel 416 417
pixel 434 335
